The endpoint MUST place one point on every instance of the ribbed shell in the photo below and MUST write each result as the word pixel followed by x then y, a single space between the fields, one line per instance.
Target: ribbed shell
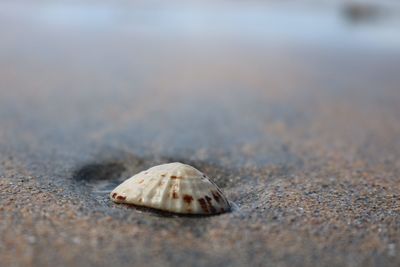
pixel 172 187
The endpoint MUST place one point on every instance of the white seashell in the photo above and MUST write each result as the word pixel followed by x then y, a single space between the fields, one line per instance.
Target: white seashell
pixel 172 187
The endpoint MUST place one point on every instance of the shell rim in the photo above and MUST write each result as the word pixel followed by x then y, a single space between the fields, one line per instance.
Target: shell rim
pixel 166 213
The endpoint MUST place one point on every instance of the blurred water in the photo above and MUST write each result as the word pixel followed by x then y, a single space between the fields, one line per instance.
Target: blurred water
pixel 336 23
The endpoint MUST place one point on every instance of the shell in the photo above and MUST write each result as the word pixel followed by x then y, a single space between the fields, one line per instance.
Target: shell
pixel 173 187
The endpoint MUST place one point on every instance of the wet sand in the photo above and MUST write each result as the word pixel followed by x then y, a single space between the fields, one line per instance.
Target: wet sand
pixel 295 117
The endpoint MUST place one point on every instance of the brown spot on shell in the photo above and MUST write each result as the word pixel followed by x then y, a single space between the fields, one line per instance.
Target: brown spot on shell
pixel 216 195
pixel 203 205
pixel 188 199
pixel 213 210
pixel 141 181
pixel 121 197
pixel 175 177
pixel 175 195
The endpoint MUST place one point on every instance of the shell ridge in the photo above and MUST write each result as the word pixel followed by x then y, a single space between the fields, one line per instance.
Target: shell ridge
pixel 157 193
pixel 148 194
pixel 176 204
pixel 196 197
pixel 164 189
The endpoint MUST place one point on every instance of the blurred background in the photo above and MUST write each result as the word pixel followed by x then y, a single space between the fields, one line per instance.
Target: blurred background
pixel 293 107
pixel 167 71
pixel 99 65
